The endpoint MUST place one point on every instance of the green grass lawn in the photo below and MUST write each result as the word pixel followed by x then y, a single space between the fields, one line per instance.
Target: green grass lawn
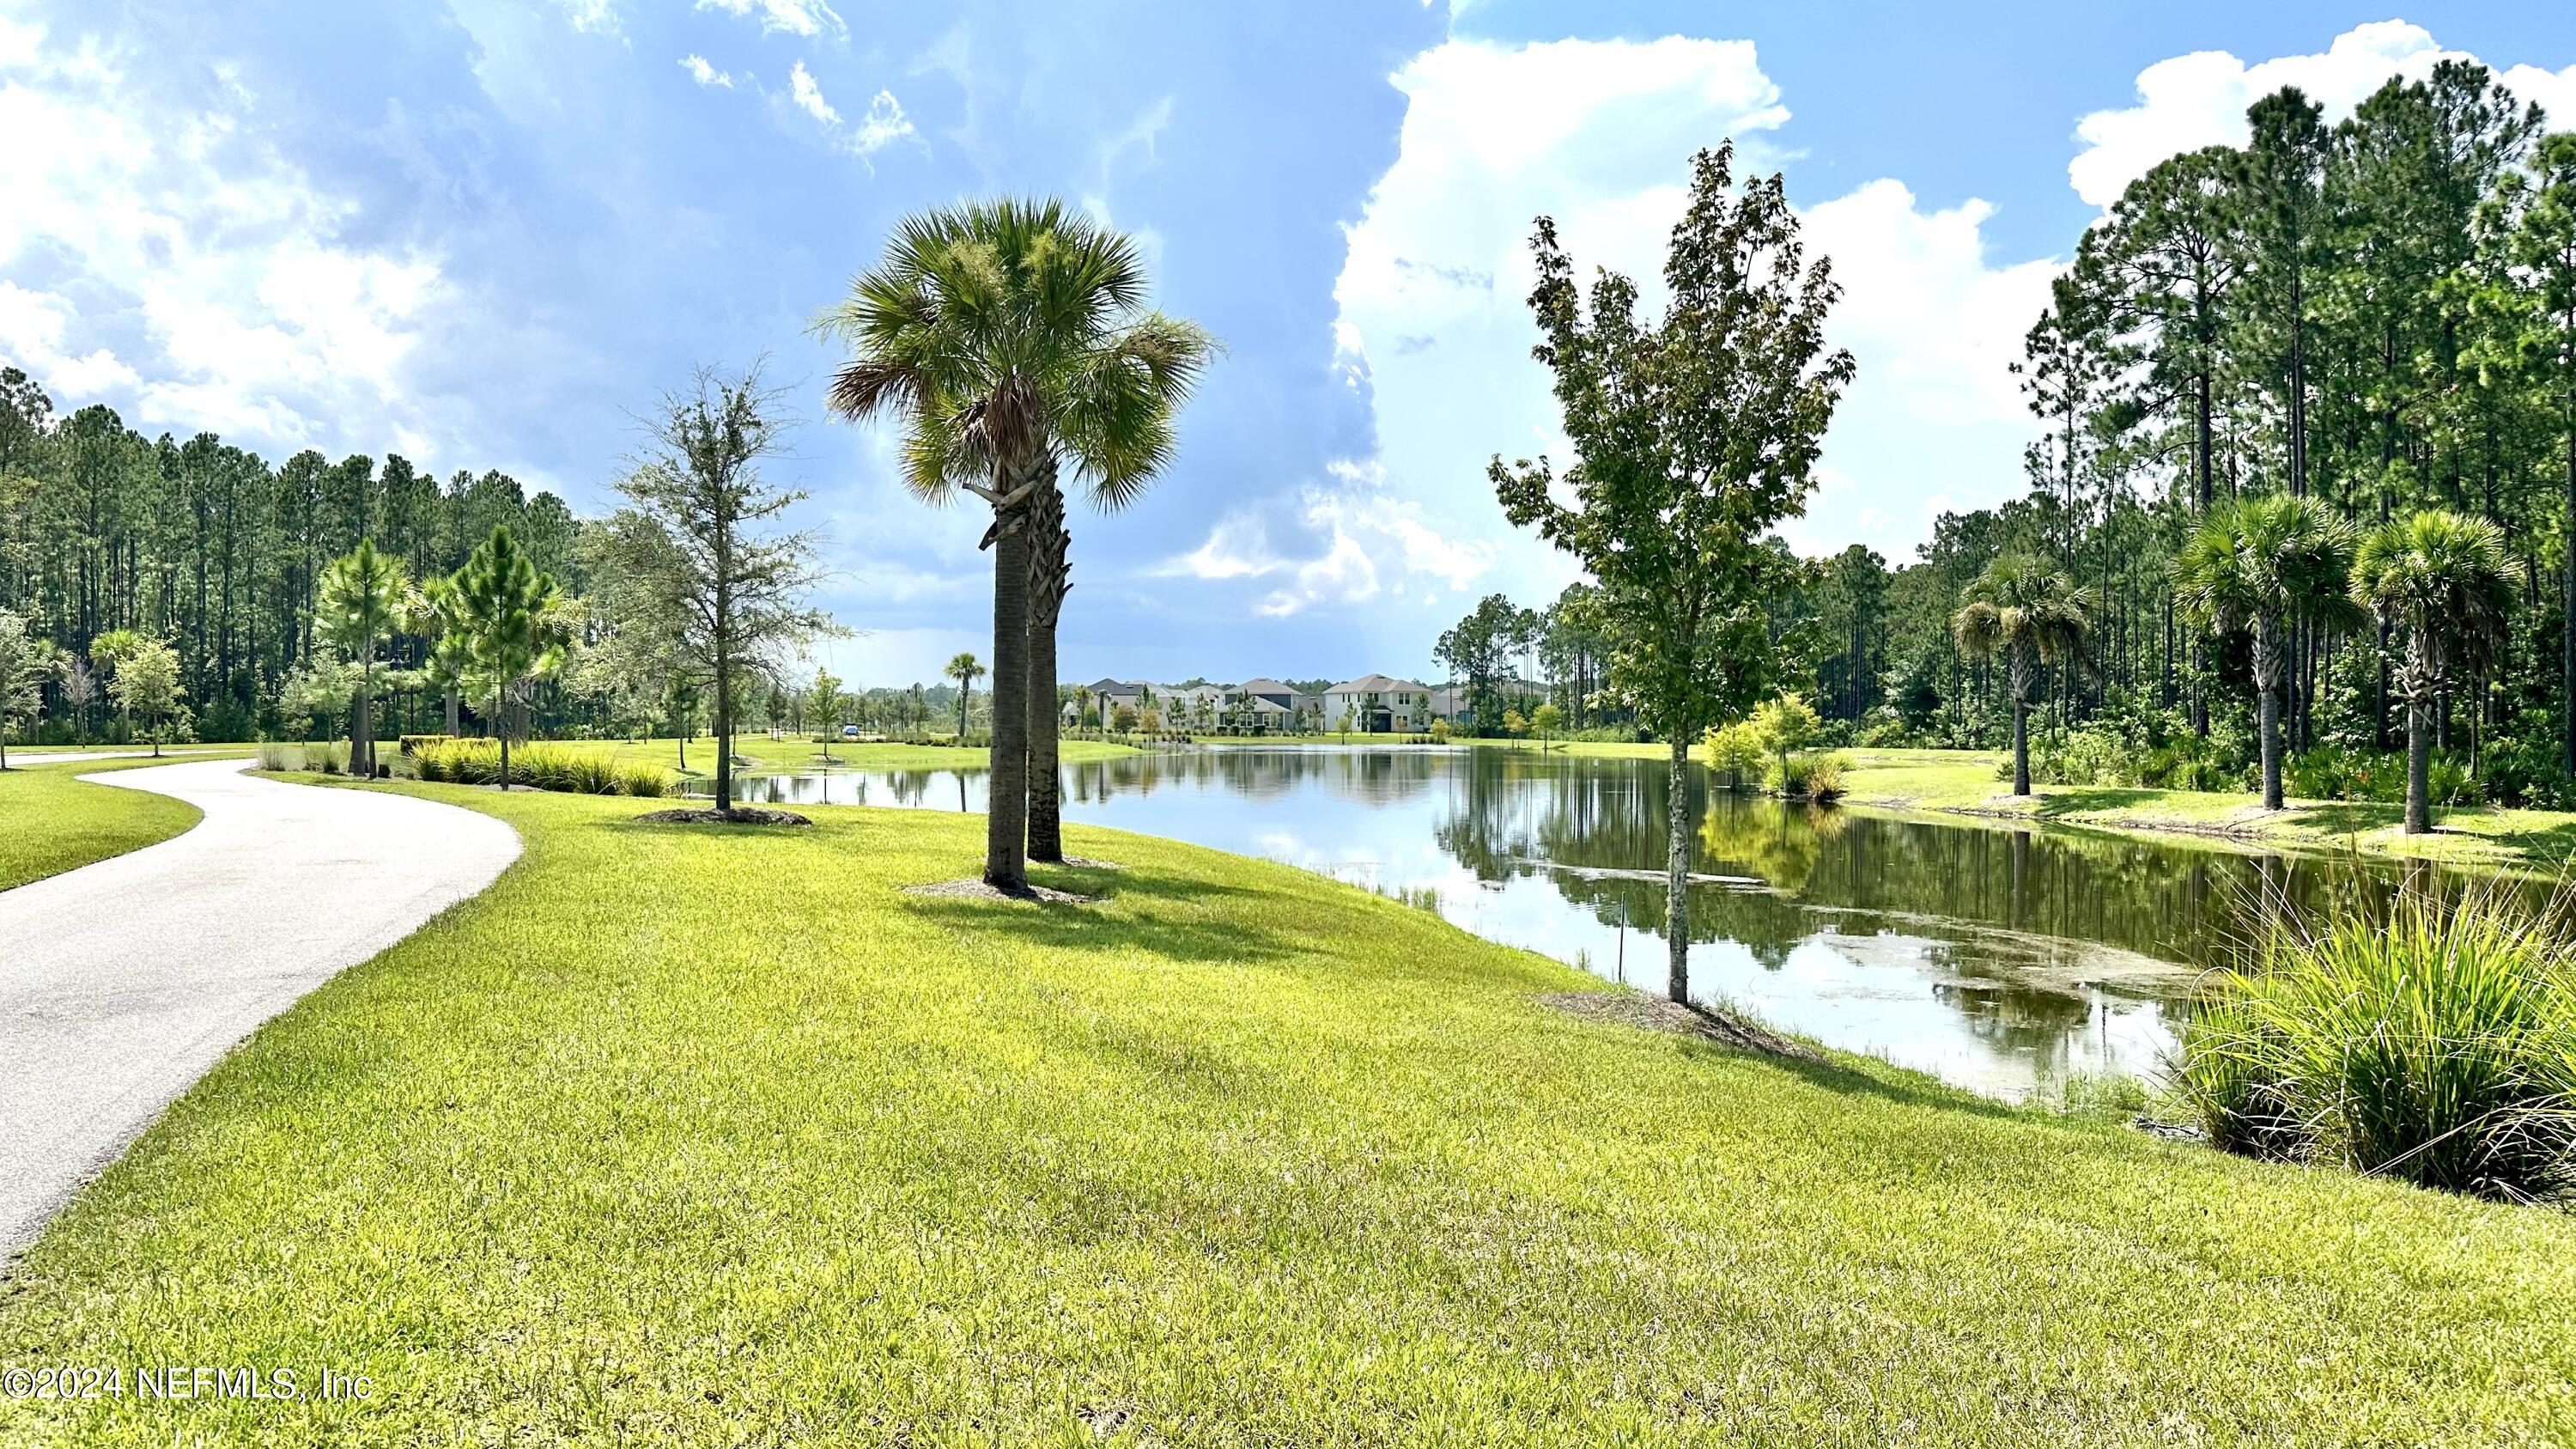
pixel 1966 781
pixel 682 1135
pixel 51 821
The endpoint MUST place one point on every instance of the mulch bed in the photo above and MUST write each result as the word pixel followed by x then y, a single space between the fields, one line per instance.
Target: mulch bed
pixel 976 890
pixel 738 815
pixel 1654 1013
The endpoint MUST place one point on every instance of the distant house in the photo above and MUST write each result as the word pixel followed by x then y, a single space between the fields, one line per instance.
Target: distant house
pixel 1378 704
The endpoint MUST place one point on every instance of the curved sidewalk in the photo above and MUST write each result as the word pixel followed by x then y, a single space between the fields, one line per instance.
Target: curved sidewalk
pixel 122 982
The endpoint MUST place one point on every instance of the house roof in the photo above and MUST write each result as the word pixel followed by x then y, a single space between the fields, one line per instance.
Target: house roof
pixel 1375 684
pixel 1263 685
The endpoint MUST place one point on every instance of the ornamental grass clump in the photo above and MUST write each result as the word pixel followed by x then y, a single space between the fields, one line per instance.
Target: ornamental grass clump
pixel 2433 1041
pixel 538 766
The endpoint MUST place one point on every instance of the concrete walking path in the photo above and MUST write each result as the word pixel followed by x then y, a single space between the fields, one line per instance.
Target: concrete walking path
pixel 122 982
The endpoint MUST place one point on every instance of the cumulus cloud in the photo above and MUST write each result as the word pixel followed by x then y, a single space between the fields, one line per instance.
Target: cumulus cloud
pixel 1363 543
pixel 2200 99
pixel 161 252
pixel 808 18
pixel 1433 327
pixel 707 75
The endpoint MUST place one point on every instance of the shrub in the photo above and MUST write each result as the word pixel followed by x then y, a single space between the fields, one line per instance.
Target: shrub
pixel 1736 751
pixel 331 757
pixel 1440 732
pixel 2433 1042
pixel 278 755
pixel 1809 777
pixel 647 782
pixel 411 743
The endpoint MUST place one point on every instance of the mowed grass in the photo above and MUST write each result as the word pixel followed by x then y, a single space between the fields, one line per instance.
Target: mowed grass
pixel 52 821
pixel 683 1135
pixel 1965 781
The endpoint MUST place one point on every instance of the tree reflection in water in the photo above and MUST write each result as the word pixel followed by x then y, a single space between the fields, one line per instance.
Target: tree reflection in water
pixel 2000 956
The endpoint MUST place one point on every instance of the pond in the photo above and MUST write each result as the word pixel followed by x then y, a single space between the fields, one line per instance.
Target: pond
pixel 2000 957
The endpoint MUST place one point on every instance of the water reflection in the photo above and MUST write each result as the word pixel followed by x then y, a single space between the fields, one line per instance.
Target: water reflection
pixel 2000 957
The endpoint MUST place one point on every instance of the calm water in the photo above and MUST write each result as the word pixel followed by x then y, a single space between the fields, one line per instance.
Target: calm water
pixel 1999 958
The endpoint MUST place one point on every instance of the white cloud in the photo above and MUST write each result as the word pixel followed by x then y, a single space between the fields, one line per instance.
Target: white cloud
pixel 2200 99
pixel 163 253
pixel 808 18
pixel 882 125
pixel 1237 548
pixel 1367 544
pixel 1434 326
pixel 809 97
pixel 705 74
pixel 1431 325
pixel 591 16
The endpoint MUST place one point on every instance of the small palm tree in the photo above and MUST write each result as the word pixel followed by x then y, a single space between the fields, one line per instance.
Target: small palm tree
pixel 362 597
pixel 2440 577
pixel 2030 614
pixel 2261 564
pixel 964 668
pixel 1009 337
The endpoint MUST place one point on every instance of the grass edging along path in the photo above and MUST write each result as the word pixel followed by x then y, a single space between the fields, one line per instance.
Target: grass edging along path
pixel 695 1135
pixel 52 821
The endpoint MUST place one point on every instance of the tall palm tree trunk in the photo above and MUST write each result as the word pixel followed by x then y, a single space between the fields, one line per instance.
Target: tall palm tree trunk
pixel 2421 682
pixel 1677 871
pixel 2267 687
pixel 1050 575
pixel 1006 820
pixel 2018 680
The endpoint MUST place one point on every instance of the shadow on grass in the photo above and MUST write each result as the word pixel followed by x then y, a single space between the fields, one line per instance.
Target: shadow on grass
pixel 1180 935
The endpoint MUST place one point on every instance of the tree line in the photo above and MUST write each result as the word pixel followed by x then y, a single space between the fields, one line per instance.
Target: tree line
pixel 2378 316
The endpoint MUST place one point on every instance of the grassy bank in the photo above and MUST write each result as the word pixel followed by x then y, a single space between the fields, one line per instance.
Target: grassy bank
pixel 52 821
pixel 681 1135
pixel 800 753
pixel 1964 781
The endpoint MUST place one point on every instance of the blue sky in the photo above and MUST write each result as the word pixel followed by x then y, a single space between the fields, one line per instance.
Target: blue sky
pixel 488 233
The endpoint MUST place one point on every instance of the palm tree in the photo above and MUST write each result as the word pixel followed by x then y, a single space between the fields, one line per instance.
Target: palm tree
pixel 362 593
pixel 2031 613
pixel 2260 564
pixel 1011 337
pixel 436 611
pixel 514 618
pixel 963 668
pixel 2442 578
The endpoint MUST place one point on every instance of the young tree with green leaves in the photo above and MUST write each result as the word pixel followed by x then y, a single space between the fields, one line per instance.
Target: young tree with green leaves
pixel 25 663
pixel 1693 437
pixel 1547 719
pixel 2265 564
pixel 2442 578
pixel 2029 613
pixel 731 583
pixel 1011 338
pixel 825 701
pixel 146 686
pixel 362 597
pixel 514 619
